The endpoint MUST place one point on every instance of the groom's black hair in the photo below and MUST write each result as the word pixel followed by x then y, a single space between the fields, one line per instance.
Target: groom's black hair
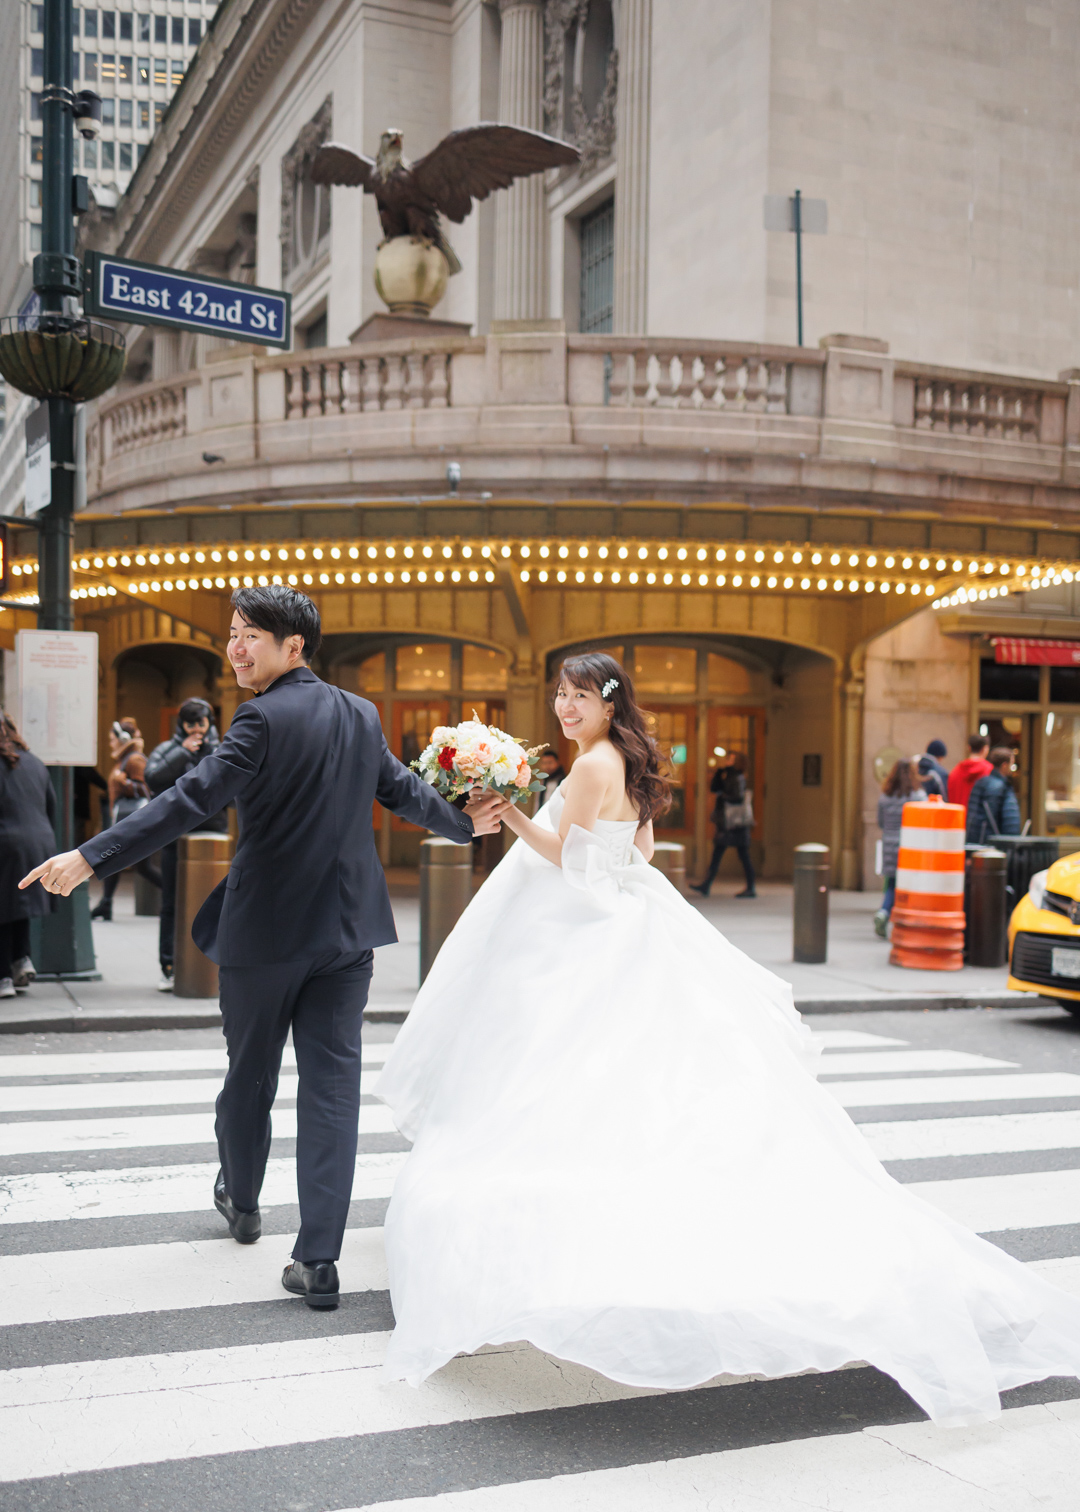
pixel 282 611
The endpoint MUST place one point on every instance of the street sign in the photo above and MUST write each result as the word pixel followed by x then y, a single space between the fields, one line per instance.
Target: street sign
pixel 121 289
pixel 38 490
pixel 30 312
pixel 57 680
pixel 780 214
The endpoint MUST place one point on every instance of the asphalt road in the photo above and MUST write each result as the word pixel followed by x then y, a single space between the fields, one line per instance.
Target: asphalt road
pixel 149 1363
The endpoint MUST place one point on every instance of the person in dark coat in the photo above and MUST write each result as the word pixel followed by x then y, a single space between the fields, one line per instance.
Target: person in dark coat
pixel 127 792
pixel 27 812
pixel 992 807
pixel 932 775
pixel 193 739
pixel 902 785
pixel 729 785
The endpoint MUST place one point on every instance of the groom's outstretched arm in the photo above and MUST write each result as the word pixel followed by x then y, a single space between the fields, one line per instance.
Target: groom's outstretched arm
pixel 404 793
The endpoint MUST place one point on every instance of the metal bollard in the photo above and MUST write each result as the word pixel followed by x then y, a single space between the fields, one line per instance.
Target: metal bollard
pixel 445 890
pixel 669 857
pixel 810 915
pixel 202 862
pixel 986 938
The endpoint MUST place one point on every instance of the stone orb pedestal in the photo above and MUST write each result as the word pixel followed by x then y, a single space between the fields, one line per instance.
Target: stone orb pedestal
pixel 411 277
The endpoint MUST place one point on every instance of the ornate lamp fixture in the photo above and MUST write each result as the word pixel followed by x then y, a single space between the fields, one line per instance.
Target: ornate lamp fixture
pixel 60 357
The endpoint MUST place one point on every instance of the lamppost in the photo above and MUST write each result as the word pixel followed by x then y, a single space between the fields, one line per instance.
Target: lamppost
pixel 61 358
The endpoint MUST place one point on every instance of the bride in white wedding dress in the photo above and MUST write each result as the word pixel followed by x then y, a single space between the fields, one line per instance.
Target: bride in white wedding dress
pixel 621 1153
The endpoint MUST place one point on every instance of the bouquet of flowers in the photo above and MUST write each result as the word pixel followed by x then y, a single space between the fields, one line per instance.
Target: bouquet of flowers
pixel 473 755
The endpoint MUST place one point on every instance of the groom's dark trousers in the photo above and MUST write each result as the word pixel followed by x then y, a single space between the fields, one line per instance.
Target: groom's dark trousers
pixel 294 923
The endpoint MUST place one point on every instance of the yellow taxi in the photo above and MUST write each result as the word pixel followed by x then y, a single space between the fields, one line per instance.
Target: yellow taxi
pixel 1044 935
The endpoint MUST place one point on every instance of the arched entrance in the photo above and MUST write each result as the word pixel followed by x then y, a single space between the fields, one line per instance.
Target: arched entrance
pixel 707 695
pixel 153 680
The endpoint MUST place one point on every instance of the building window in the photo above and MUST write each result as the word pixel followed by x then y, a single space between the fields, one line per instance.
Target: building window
pixel 90 68
pixel 305 207
pixel 177 71
pixel 142 71
pixel 108 112
pixel 108 156
pixel 125 26
pixel 420 669
pixel 161 71
pixel 35 194
pixel 126 74
pixel 125 157
pixel 144 115
pixel 194 32
pixel 125 112
pixel 89 155
pixel 483 670
pixel 37 151
pixel 315 333
pixel 108 68
pixel 35 238
pixel 161 29
pixel 37 18
pixel 35 107
pixel 37 62
pixel 159 113
pixel 141 153
pixel 598 269
pixel 90 26
pixel 75 67
pixel 144 28
pixel 178 30
pixel 665 669
pixel 108 25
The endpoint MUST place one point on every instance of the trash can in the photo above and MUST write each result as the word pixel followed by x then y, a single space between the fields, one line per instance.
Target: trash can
pixel 445 890
pixel 985 936
pixel 203 861
pixel 669 857
pixel 1027 854
pixel 810 904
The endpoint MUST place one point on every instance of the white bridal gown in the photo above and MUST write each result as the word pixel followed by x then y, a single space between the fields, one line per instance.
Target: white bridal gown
pixel 622 1155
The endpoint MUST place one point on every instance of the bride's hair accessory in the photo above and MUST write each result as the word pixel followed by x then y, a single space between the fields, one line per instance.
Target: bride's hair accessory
pixel 609 687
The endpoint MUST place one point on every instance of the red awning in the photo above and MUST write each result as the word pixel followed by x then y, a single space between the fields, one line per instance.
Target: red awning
pixel 1020 651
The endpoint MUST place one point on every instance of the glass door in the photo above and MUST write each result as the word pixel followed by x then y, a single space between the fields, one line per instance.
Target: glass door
pixel 413 724
pixel 1018 732
pixel 673 728
pixel 735 729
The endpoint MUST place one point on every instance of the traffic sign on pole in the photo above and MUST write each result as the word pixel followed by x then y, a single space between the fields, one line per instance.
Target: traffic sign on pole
pixel 150 295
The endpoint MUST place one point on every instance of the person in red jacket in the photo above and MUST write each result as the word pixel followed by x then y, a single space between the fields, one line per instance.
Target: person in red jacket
pixel 965 774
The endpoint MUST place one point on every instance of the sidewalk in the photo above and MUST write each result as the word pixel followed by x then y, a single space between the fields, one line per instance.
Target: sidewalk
pixel 856 976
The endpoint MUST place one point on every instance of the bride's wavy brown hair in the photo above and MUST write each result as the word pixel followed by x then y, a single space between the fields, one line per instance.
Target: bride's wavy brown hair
pixel 646 786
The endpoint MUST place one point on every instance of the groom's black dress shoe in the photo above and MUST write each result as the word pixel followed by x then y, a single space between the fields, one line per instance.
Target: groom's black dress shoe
pixel 317 1284
pixel 244 1227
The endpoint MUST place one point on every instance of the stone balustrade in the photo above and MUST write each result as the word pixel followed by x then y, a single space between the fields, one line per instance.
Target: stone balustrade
pixel 522 408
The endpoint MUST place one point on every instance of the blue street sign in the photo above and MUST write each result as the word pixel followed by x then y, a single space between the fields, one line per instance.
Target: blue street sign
pixel 149 295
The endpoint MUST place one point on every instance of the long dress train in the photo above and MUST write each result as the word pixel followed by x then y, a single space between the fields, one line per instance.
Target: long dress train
pixel 622 1155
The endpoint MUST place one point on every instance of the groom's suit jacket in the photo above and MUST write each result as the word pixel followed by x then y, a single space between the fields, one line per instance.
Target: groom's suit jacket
pixel 303 763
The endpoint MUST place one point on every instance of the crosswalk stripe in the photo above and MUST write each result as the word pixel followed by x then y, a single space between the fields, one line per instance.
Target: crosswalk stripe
pixel 53 1196
pixel 138 1062
pixel 986 1134
pixel 1027 1086
pixel 55 1136
pixel 989 1204
pixel 103 1414
pixel 135 1094
pixel 892 1061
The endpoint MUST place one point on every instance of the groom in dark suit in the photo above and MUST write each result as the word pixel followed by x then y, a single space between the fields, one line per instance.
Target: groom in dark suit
pixel 294 923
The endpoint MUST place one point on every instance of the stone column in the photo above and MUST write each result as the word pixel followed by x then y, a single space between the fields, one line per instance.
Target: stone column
pixel 520 217
pixel 854 689
pixel 632 169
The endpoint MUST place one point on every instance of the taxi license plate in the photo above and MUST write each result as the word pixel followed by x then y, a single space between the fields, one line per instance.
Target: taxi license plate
pixel 1065 962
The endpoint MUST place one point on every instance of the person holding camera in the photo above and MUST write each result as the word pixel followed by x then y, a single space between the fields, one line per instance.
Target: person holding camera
pixel 193 739
pixel 127 793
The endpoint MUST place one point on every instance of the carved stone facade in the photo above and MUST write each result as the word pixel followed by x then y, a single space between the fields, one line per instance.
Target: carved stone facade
pixel 305 207
pixel 579 51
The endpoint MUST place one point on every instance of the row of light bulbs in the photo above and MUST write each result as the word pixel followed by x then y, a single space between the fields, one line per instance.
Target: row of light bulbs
pixel 1046 578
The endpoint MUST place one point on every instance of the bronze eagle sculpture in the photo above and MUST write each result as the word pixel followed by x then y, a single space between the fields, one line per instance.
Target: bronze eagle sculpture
pixel 466 166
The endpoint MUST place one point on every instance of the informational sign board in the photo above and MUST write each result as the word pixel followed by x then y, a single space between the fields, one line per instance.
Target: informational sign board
pixel 121 289
pixel 38 460
pixel 57 680
pixel 780 214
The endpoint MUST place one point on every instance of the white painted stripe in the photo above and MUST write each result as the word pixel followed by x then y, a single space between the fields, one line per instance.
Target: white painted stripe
pixel 132 1062
pixel 863 1062
pixel 53 1196
pixel 851 1039
pixel 102 1414
pixel 914 837
pixel 991 1134
pixel 955 1089
pixel 1025 1459
pixel 1039 1199
pixel 949 884
pixel 48 1137
pixel 141 1094
pixel 141 1278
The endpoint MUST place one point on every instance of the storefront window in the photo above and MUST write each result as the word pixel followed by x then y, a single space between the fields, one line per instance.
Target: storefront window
pixel 727 679
pixel 1063 772
pixel 420 669
pixel 371 674
pixel 665 669
pixel 483 670
pixel 1002 683
pixel 1065 685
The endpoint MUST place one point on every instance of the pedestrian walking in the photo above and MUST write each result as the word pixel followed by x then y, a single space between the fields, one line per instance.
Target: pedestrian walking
pixel 901 786
pixel 552 771
pixel 932 775
pixel 992 807
pixel 194 738
pixel 128 793
pixel 27 813
pixel 965 774
pixel 733 816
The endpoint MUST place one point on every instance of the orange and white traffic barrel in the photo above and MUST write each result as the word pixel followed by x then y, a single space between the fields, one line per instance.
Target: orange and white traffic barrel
pixel 928 915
